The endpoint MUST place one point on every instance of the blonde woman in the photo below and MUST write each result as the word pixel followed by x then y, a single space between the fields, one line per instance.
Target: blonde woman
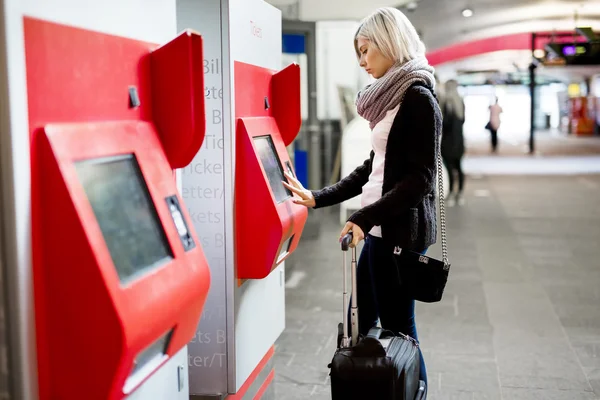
pixel 397 181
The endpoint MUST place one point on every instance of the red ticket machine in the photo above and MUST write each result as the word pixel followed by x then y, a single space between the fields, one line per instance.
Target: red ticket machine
pixel 120 278
pixel 268 223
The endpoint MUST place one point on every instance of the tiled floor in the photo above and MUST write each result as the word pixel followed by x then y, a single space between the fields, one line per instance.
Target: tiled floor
pixel 547 143
pixel 520 318
pixel 556 154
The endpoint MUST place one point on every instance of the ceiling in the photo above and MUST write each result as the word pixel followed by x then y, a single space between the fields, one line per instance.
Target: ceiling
pixel 513 64
pixel 498 17
pixel 572 73
pixel 321 10
pixel 441 23
pixel 495 61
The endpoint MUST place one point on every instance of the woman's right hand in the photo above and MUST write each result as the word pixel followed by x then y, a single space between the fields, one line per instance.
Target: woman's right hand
pixel 306 197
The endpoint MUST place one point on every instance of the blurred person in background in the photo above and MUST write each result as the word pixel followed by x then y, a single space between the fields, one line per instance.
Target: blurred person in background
pixel 453 144
pixel 494 124
pixel 439 89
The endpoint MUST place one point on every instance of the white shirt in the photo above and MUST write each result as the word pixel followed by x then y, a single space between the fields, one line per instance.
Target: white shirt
pixel 372 190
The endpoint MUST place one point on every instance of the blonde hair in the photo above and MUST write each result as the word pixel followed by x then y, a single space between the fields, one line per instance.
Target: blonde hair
pixel 390 32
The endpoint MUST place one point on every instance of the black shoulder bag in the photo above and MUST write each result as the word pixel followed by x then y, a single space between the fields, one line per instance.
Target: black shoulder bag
pixel 424 278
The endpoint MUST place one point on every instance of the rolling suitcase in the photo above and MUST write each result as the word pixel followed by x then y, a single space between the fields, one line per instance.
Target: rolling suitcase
pixel 379 366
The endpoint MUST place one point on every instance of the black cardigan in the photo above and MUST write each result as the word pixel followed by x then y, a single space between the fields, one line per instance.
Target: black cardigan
pixel 406 211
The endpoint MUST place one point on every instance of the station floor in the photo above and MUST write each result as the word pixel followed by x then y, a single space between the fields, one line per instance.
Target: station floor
pixel 520 318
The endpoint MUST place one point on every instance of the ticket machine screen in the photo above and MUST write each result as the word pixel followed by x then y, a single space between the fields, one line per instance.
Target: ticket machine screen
pixel 125 212
pixel 272 166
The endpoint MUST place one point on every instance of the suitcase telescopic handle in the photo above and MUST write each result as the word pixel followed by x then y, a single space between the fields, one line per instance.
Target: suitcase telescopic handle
pixel 346 240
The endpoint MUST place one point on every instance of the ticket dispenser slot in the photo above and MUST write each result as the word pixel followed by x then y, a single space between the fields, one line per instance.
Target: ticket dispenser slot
pixel 147 361
pixel 120 279
pixel 261 159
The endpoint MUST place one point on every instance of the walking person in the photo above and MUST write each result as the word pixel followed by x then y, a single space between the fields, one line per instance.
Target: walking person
pixel 397 181
pixel 453 143
pixel 494 124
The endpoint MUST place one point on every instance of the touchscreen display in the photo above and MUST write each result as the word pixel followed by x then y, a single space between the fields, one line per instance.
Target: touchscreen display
pixel 272 166
pixel 118 194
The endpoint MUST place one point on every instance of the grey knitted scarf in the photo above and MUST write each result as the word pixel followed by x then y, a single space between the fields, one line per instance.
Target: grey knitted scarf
pixel 387 92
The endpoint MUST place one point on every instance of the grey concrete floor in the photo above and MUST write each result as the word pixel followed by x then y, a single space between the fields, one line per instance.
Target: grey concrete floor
pixel 520 318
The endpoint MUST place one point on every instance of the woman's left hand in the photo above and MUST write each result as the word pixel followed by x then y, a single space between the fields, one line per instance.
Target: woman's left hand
pixel 357 233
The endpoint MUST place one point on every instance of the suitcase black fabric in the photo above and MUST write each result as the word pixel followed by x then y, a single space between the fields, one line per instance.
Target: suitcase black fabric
pixel 379 366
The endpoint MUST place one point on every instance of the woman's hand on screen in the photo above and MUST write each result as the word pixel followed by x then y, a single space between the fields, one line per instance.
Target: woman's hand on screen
pixel 306 197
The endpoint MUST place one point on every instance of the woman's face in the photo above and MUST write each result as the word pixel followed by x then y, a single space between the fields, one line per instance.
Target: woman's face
pixel 371 59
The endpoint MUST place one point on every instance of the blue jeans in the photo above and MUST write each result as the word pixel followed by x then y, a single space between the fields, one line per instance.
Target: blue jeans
pixel 380 296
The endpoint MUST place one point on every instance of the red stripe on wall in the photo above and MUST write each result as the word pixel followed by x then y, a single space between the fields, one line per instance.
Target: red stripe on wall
pixel 519 41
pixel 240 394
pixel 265 386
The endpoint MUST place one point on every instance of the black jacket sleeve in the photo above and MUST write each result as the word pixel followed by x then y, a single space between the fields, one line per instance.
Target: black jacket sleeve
pixel 345 189
pixel 421 119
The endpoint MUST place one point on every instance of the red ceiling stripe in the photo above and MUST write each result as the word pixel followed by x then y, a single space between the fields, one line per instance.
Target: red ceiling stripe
pixel 517 41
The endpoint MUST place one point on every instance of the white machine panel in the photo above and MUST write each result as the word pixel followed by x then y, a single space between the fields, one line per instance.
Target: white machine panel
pixel 259 304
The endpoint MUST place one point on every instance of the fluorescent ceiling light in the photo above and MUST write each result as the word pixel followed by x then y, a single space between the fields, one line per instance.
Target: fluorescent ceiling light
pixel 467 12
pixel 411 6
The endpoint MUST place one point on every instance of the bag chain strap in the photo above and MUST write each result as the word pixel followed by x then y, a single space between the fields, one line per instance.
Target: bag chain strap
pixel 441 201
pixel 442 210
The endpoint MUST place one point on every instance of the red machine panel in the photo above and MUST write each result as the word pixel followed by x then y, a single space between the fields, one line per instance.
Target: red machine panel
pixel 285 93
pixel 268 223
pixel 177 72
pixel 124 278
pixel 96 77
pixel 120 279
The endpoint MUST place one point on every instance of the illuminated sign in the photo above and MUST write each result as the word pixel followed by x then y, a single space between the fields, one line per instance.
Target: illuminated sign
pixel 571 50
pixel 572 54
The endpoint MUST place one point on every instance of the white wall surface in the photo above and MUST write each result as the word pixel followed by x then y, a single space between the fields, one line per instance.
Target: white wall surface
pixel 595 89
pixel 315 10
pixel 148 20
pixel 516 105
pixel 336 65
pixel 255 33
pixel 302 61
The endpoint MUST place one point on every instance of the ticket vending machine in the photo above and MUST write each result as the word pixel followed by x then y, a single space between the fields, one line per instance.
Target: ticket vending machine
pixel 268 223
pixel 120 279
